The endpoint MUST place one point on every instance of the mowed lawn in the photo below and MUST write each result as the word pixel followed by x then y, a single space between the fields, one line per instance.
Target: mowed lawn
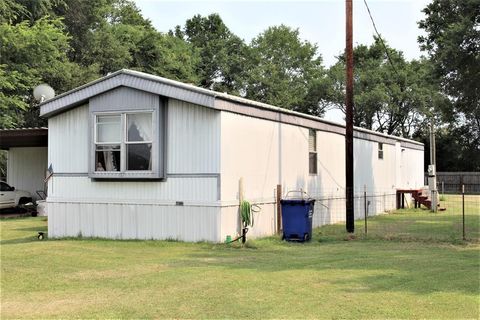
pixel 327 278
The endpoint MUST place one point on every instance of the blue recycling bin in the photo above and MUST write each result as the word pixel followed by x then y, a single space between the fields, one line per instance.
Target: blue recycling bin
pixel 297 219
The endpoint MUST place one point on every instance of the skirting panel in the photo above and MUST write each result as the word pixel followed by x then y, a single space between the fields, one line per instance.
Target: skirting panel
pixel 126 221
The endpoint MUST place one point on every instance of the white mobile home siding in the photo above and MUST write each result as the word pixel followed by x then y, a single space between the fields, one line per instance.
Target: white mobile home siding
pixel 266 153
pixel 184 206
pixel 211 140
pixel 26 168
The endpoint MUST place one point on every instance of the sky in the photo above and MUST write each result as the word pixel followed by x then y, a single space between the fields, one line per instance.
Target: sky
pixel 321 22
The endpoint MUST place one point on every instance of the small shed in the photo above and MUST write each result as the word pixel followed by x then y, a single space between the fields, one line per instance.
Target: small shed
pixel 138 156
pixel 26 158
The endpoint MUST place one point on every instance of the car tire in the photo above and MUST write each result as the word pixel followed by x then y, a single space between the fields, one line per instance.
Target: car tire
pixel 24 201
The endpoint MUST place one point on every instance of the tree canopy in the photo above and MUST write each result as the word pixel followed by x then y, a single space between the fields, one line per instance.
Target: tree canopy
pixel 452 41
pixel 66 43
pixel 393 98
pixel 285 70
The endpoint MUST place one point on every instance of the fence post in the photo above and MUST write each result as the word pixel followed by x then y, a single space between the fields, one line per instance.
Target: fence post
pixel 279 207
pixel 365 205
pixel 463 212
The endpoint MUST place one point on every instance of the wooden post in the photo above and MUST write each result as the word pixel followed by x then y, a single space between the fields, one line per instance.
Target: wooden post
pixel 349 176
pixel 279 207
pixel 365 205
pixel 463 212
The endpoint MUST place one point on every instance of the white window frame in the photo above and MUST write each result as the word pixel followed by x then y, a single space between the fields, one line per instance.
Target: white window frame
pixel 123 173
pixel 123 138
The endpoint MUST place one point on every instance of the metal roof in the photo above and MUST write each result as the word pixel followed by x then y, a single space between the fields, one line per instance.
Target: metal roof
pixel 186 92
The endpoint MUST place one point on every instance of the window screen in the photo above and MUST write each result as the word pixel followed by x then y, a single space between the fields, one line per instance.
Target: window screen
pixel 312 151
pixel 380 150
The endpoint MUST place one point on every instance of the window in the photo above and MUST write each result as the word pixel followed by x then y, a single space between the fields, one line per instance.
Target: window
pixel 312 151
pixel 127 135
pixel 380 150
pixel 5 187
pixel 123 142
pixel 108 142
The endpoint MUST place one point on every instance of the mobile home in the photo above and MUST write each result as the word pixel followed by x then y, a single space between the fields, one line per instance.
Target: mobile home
pixel 136 156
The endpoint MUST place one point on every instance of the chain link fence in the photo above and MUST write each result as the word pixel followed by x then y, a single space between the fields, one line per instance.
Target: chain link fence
pixel 377 217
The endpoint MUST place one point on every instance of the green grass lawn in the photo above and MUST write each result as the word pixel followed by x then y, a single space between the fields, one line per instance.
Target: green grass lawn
pixel 418 224
pixel 327 278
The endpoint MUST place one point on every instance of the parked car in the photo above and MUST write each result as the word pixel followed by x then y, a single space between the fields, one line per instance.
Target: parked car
pixel 11 198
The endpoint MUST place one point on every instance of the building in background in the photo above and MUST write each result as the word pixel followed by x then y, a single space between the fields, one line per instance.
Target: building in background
pixel 27 156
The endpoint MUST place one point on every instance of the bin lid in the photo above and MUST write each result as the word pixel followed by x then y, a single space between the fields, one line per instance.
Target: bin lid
pixel 297 201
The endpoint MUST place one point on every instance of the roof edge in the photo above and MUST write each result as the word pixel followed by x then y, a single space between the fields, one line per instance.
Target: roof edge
pixel 206 93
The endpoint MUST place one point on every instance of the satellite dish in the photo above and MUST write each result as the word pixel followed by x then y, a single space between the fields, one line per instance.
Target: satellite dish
pixel 43 92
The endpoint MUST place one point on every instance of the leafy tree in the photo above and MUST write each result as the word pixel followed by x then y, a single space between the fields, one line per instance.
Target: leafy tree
pixel 30 55
pixel 453 41
pixel 11 10
pixel 388 99
pixel 223 55
pixel 286 71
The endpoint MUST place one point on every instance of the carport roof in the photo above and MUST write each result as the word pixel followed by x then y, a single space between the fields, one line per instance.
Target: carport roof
pixel 23 137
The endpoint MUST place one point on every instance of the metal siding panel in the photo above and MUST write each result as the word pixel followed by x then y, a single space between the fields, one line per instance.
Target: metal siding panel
pixel 193 138
pixel 134 221
pixel 68 141
pixel 195 189
pixel 26 168
pixel 124 99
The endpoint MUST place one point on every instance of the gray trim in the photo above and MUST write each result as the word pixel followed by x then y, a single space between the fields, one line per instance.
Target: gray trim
pixel 306 122
pixel 203 97
pixel 165 110
pixel 130 79
pixel 123 100
pixel 374 138
pixel 193 175
pixel 70 174
pixel 169 175
pixel 277 116
pixel 414 146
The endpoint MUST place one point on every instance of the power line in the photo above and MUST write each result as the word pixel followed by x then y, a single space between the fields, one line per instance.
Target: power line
pixel 381 40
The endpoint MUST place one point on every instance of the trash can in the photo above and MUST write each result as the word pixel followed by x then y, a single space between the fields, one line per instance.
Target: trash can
pixel 297 219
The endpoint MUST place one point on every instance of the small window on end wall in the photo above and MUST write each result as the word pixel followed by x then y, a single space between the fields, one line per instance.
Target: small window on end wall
pixel 312 151
pixel 380 150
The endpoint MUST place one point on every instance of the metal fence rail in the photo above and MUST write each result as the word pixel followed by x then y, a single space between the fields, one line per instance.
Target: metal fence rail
pixel 377 217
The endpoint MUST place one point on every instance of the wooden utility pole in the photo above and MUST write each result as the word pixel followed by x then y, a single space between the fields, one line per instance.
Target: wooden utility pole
pixel 350 225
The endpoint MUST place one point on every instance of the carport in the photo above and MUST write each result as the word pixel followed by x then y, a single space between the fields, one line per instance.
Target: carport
pixel 27 157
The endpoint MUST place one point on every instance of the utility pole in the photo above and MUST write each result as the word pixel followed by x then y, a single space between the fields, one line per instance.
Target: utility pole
pixel 432 171
pixel 350 225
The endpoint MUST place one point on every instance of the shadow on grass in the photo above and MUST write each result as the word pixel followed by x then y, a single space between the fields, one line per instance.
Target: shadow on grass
pixel 19 240
pixel 414 252
pixel 377 265
pixel 34 229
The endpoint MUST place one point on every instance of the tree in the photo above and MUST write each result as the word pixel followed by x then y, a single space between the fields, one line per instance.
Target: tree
pixel 30 55
pixel 223 55
pixel 390 99
pixel 286 71
pixel 453 41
